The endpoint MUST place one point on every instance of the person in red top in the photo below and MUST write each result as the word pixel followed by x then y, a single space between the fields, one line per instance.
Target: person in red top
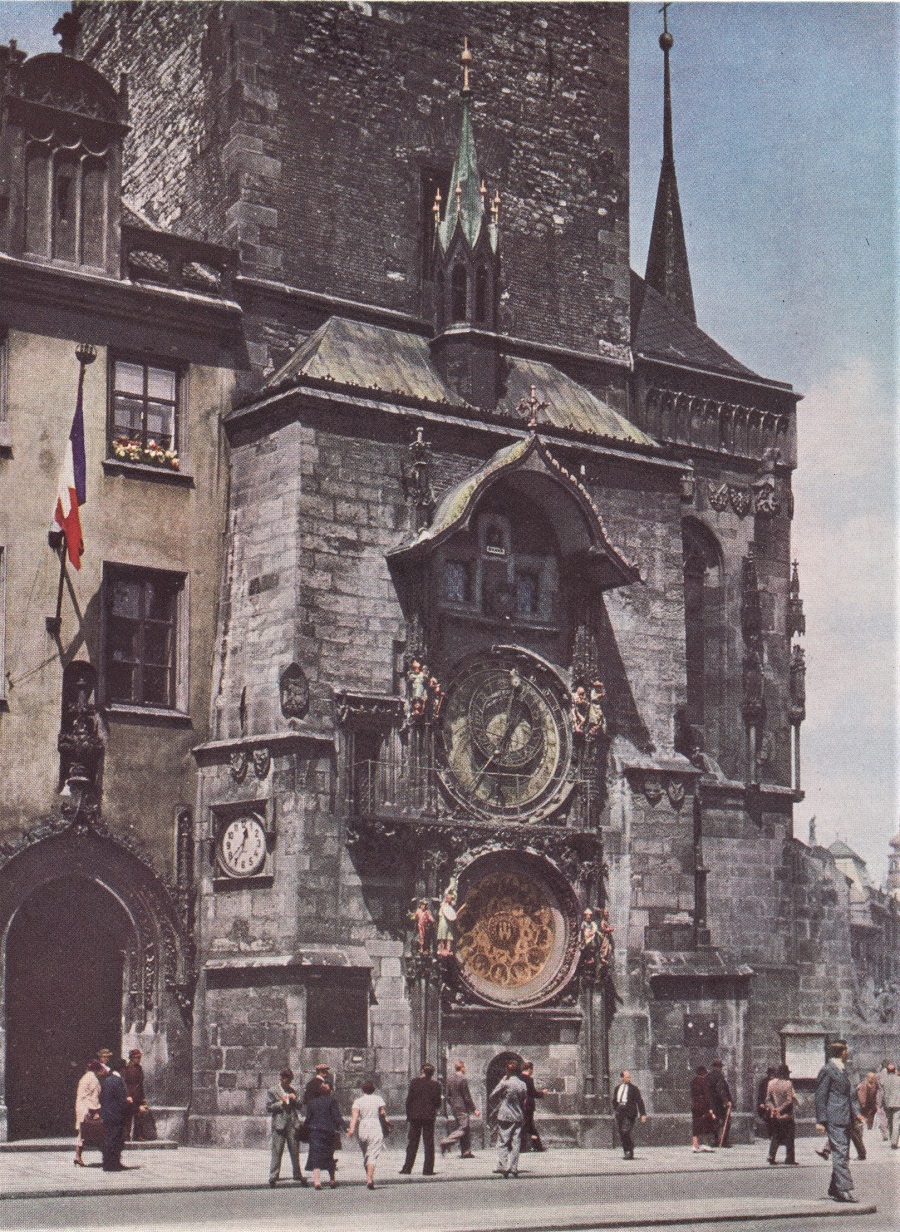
pixel 133 1077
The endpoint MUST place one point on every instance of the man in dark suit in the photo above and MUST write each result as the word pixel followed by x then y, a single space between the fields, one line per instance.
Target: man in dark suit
pixel 281 1104
pixel 721 1100
pixel 114 1105
pixel 459 1097
pixel 133 1077
pixel 628 1105
pixel 837 1107
pixel 423 1102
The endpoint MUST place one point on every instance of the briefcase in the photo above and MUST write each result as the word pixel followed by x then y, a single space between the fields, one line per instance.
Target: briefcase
pixel 93 1131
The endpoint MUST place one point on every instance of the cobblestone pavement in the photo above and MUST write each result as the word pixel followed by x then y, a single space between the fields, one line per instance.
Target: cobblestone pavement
pixel 560 1189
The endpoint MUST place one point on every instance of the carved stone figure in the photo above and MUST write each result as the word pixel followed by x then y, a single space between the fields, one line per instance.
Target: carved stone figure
pixel 581 708
pixel 80 742
pixel 294 690
pixel 448 914
pixel 596 720
pixel 417 689
pixel 424 922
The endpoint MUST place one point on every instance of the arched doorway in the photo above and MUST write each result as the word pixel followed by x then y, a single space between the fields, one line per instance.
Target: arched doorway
pixel 65 955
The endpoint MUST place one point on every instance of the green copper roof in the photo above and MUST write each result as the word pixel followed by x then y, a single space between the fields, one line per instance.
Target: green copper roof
pixel 370 356
pixel 464 201
pixel 569 405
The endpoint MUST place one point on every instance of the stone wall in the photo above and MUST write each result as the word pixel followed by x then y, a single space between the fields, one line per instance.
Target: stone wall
pixel 321 186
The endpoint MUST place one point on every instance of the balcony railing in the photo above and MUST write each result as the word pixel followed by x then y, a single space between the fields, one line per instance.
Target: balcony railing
pixel 387 790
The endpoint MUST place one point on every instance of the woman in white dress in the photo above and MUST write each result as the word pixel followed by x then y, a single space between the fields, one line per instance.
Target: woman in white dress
pixel 87 1104
pixel 366 1118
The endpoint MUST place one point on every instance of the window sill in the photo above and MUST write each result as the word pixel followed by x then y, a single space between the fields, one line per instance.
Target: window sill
pixel 156 474
pixel 155 716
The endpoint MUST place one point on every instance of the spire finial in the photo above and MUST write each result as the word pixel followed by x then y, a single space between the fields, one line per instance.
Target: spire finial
pixel 436 208
pixel 466 60
pixel 667 263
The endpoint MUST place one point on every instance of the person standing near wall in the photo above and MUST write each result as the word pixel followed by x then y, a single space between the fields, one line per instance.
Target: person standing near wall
pixel 836 1109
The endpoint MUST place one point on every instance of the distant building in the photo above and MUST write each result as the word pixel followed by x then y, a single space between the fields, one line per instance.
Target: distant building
pixel 482 573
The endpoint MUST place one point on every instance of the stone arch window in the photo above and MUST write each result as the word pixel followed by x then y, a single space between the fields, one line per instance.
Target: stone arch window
pixel 481 295
pixel 459 288
pixel 66 205
pixel 704 627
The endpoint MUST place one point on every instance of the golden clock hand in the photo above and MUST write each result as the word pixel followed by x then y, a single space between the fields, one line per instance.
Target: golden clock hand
pixel 507 733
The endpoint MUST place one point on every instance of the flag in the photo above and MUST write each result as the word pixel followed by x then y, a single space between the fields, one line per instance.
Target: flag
pixel 71 492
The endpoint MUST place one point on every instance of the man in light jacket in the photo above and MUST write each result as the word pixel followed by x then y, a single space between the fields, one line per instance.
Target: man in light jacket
pixel 510 1115
pixel 282 1106
pixel 836 1109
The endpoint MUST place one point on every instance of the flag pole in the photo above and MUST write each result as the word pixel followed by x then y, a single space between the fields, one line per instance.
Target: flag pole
pixel 56 537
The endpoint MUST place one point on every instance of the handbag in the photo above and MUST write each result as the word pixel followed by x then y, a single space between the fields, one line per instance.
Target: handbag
pixel 337 1140
pixel 92 1131
pixel 304 1134
pixel 385 1124
pixel 144 1126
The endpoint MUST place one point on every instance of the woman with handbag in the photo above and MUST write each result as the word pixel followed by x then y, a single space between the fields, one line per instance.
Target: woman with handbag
pixel 88 1125
pixel 324 1125
pixel 369 1119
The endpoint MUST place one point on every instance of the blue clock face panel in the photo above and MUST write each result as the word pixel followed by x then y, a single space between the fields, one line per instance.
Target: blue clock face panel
pixel 506 739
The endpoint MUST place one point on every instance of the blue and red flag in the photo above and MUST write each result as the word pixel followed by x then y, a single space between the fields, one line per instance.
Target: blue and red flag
pixel 71 492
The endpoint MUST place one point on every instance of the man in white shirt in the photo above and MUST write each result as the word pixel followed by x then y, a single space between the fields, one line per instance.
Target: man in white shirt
pixel 628 1105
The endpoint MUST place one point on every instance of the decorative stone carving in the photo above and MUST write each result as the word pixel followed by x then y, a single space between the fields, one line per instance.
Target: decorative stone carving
pixel 797 710
pixel 294 691
pixel 423 692
pixel 741 499
pixel 416 475
pixel 688 483
pixel 765 500
pixel 675 792
pixel 718 496
pixel 796 621
pixel 262 761
pixel 369 709
pixel 653 789
pixel 239 764
pixel 80 743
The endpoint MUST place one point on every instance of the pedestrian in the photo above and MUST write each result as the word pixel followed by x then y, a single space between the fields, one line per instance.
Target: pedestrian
pixel 459 1097
pixel 762 1108
pixel 531 1139
pixel 890 1085
pixel 87 1107
pixel 867 1094
pixel 324 1125
pixel 321 1074
pixel 510 1115
pixel 423 1102
pixel 113 1110
pixel 628 1105
pixel 703 1119
pixel 836 1107
pixel 133 1077
pixel 369 1119
pixel 282 1106
pixel 880 1114
pixel 721 1102
pixel 780 1100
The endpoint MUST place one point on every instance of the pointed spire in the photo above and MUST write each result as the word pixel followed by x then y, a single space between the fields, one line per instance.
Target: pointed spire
pixel 667 261
pixel 465 198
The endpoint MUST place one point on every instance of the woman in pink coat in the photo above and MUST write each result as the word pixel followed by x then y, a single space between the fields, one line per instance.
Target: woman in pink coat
pixel 87 1104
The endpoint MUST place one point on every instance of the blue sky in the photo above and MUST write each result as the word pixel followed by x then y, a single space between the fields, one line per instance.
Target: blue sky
pixel 786 139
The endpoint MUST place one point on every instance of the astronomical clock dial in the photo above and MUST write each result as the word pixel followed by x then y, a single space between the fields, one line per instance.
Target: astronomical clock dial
pixel 505 736
pixel 242 847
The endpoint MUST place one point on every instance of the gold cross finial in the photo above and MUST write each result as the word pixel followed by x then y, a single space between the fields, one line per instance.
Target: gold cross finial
pixel 531 408
pixel 466 60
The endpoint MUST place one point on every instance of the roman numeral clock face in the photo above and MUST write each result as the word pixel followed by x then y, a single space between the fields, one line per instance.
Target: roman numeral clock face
pixel 242 847
pixel 507 747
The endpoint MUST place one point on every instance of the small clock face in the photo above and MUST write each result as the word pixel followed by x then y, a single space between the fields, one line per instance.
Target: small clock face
pixel 242 847
pixel 506 740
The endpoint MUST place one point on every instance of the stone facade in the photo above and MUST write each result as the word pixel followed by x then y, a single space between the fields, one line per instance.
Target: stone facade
pixel 483 446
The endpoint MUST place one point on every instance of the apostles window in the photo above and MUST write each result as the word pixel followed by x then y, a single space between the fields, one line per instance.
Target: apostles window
pixel 504 567
pixel 143 659
pixel 144 413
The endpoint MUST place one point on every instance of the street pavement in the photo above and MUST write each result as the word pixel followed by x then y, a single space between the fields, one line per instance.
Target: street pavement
pixel 219 1190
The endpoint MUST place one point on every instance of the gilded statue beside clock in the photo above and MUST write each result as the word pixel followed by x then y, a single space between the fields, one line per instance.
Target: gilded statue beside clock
pixel 506 738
